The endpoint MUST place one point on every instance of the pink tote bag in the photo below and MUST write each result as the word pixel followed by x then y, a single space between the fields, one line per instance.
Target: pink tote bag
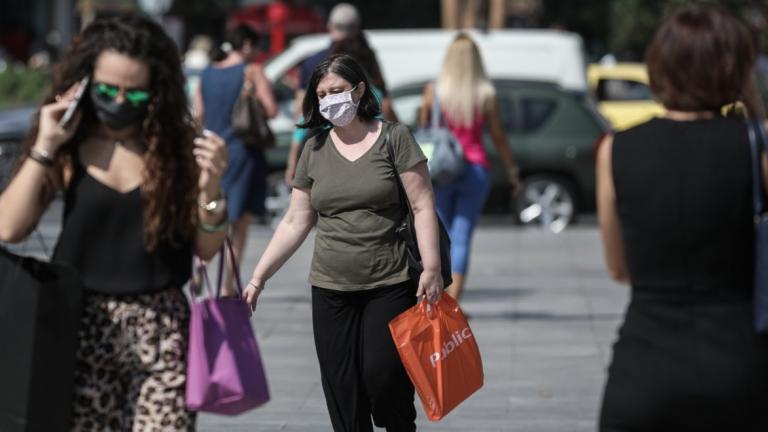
pixel 225 374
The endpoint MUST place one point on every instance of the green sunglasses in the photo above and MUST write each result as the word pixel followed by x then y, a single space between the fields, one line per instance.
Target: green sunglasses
pixel 134 96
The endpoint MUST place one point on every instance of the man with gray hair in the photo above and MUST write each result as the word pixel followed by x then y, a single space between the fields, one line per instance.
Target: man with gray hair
pixel 343 23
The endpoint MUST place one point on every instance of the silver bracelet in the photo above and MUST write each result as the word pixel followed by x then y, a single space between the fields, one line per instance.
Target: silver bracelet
pixel 41 156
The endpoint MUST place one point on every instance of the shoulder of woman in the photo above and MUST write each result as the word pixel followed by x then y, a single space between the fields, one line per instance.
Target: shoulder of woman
pixel 398 130
pixel 317 138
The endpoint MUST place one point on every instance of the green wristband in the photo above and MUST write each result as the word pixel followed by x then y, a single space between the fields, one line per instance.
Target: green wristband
pixel 214 228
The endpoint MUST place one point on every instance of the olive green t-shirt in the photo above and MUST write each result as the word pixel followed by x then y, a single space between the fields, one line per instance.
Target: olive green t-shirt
pixel 358 208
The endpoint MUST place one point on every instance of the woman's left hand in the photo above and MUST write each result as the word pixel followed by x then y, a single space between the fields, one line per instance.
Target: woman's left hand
pixel 515 183
pixel 431 286
pixel 211 156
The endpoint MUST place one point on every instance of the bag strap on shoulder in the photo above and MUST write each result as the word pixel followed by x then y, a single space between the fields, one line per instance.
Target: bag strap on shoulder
pixel 405 204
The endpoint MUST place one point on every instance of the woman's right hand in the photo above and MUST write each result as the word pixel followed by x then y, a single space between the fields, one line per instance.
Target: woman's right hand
pixel 51 136
pixel 252 291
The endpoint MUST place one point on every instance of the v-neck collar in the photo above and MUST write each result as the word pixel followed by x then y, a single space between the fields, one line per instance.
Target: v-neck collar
pixel 362 156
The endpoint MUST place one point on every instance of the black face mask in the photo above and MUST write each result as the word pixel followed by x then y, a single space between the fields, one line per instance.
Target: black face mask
pixel 115 115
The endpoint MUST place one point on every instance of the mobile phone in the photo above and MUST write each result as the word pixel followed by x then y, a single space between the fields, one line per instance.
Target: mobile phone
pixel 72 108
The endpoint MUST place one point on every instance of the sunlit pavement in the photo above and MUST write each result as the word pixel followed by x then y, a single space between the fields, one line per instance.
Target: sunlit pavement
pixel 542 309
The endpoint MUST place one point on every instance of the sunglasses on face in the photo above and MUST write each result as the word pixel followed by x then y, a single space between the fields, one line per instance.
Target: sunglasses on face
pixel 134 96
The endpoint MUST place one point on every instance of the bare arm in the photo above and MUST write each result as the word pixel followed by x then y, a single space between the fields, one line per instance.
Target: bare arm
pixel 209 243
pixel 418 188
pixel 425 111
pixel 608 217
pixel 27 196
pixel 197 103
pixel 290 164
pixel 289 235
pixel 211 157
pixel 264 91
pixel 499 137
pixel 298 101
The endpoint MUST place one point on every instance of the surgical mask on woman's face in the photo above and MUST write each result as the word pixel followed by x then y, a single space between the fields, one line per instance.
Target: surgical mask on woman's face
pixel 339 108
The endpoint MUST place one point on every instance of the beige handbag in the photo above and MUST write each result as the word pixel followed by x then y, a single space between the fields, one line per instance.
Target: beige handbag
pixel 249 119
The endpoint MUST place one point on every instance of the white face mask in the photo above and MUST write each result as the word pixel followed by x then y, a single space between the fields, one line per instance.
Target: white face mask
pixel 339 108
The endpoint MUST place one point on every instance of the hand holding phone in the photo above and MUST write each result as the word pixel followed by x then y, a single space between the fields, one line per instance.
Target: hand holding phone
pixel 69 114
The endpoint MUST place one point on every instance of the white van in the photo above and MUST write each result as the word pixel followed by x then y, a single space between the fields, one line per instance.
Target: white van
pixel 407 57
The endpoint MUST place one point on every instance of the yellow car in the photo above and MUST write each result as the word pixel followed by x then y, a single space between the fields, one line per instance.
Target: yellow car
pixel 623 94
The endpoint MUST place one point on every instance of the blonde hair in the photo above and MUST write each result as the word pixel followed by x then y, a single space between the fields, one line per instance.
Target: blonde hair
pixel 463 86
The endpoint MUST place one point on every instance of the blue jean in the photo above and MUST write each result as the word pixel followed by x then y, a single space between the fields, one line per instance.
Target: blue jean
pixel 459 205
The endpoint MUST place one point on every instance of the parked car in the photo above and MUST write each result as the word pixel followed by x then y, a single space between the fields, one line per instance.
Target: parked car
pixel 623 94
pixel 14 124
pixel 552 133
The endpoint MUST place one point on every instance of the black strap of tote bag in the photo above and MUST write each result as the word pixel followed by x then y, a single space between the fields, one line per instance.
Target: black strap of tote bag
pixel 407 230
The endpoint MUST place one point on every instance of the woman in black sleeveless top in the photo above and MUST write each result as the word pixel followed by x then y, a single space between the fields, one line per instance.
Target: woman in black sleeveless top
pixel 140 194
pixel 674 198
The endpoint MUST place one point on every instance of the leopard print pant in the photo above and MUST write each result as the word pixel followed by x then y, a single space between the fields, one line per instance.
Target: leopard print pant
pixel 131 364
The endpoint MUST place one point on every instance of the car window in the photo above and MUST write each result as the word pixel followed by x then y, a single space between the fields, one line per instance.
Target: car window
pixel 506 102
pixel 622 90
pixel 536 111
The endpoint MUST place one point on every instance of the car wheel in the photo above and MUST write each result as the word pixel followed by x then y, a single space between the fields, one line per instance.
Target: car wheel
pixel 278 198
pixel 546 201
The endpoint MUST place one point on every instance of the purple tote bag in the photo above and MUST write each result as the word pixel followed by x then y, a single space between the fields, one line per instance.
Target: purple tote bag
pixel 225 374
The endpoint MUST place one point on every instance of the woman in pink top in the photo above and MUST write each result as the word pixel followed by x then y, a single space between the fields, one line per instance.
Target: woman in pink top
pixel 468 103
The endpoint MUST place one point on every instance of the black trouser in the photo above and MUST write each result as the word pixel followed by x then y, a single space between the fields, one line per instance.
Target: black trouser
pixel 360 368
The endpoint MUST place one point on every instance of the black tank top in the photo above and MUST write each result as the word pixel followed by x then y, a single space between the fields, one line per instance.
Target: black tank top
pixel 683 194
pixel 103 238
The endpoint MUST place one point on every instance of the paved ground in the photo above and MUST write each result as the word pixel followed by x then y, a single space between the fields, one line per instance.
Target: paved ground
pixel 543 311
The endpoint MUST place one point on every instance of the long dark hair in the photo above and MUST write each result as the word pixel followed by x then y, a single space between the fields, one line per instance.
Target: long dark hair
pixel 169 190
pixel 234 39
pixel 347 68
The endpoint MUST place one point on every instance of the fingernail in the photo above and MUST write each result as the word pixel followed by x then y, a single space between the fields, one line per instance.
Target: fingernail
pixel 207 132
pixel 198 140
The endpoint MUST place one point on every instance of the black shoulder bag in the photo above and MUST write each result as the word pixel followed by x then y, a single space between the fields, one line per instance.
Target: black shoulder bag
pixel 40 307
pixel 406 230
pixel 761 231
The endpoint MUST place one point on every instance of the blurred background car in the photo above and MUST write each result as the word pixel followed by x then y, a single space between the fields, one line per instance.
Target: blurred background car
pixel 623 94
pixel 553 134
pixel 14 124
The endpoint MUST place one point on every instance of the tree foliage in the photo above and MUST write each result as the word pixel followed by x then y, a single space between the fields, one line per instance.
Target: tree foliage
pixel 625 27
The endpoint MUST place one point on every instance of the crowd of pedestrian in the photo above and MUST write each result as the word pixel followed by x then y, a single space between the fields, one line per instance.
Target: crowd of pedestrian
pixel 150 185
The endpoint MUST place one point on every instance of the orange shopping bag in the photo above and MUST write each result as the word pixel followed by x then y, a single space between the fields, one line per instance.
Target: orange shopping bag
pixel 440 354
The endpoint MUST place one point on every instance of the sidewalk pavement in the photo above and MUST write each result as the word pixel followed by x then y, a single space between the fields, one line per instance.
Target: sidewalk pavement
pixel 542 309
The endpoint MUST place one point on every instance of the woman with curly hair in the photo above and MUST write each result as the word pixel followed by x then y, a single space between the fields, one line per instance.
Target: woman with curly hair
pixel 141 193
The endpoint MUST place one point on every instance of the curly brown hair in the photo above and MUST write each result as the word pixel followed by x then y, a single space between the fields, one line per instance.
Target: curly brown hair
pixel 169 190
